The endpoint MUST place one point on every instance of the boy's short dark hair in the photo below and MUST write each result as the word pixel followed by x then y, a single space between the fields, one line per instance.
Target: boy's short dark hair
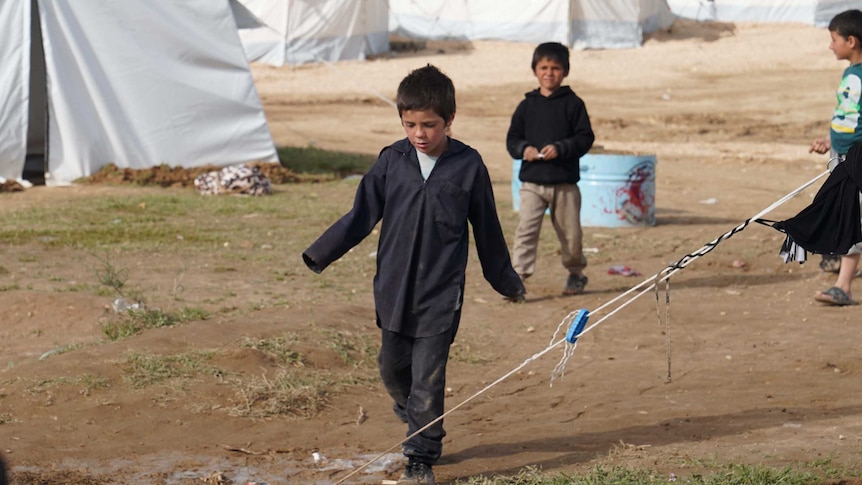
pixel 427 88
pixel 553 51
pixel 847 23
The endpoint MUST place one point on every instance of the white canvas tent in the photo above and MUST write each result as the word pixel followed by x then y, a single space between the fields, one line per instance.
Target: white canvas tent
pixel 279 32
pixel 813 12
pixel 581 24
pixel 137 84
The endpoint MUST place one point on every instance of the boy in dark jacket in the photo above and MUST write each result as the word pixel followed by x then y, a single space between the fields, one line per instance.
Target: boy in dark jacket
pixel 425 188
pixel 550 132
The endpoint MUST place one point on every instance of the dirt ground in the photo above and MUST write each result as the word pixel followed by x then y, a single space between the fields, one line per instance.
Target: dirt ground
pixel 760 372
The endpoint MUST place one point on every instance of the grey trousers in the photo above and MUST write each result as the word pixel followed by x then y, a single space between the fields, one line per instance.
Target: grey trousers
pixel 564 200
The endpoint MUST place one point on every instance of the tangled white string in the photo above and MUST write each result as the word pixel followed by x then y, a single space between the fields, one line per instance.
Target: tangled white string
pixel 664 275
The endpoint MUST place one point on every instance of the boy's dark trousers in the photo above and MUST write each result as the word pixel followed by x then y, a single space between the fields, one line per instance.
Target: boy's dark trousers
pixel 414 373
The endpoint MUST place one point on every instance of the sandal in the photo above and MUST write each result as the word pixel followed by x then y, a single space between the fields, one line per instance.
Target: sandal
pixel 835 296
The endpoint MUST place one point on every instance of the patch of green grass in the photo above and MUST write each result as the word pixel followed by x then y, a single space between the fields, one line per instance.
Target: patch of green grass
pixel 143 370
pixel 60 350
pixel 828 469
pixel 11 287
pixel 134 321
pixel 355 350
pixel 466 354
pixel 90 382
pixel 278 347
pixel 179 219
pixel 282 275
pixel 278 301
pixel 86 382
pixel 300 394
pixel 600 475
pixel 312 160
pixel 292 392
pixel 109 275
pixel 298 390
pixel 141 221
pixel 192 314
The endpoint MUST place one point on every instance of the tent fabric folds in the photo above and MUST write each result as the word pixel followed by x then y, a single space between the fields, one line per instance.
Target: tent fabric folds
pixel 581 24
pixel 136 84
pixel 280 32
pixel 13 85
pixel 812 12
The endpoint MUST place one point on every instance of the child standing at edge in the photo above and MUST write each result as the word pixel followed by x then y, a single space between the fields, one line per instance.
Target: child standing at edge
pixel 425 188
pixel 550 132
pixel 845 29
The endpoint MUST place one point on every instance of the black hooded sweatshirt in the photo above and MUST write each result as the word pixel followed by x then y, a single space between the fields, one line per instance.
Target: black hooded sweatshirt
pixel 560 119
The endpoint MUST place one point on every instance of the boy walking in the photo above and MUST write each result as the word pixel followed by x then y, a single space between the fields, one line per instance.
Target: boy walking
pixel 425 188
pixel 550 132
pixel 845 30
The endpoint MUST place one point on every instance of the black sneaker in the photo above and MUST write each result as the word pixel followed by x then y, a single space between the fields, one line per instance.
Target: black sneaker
pixel 417 473
pixel 575 284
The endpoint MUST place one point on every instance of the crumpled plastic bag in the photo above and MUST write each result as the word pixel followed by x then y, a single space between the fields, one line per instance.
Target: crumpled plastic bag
pixel 623 270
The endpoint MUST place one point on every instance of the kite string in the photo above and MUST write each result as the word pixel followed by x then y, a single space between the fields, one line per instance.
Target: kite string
pixel 523 364
pixel 666 319
pixel 685 260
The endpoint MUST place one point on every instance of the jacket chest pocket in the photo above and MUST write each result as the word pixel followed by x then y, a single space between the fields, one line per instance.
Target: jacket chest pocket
pixel 451 206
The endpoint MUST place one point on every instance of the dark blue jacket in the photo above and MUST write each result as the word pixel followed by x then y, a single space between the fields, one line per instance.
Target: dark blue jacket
pixel 422 252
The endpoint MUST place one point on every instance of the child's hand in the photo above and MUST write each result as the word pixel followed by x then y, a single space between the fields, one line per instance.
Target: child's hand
pixel 531 154
pixel 820 145
pixel 549 152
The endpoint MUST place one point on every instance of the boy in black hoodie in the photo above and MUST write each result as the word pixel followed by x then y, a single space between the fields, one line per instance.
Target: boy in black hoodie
pixel 550 132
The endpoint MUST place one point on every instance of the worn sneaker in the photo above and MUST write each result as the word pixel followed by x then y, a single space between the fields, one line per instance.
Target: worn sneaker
pixel 575 284
pixel 519 298
pixel 417 473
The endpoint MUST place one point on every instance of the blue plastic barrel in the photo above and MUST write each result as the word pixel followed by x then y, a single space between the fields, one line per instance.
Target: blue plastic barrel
pixel 516 184
pixel 616 190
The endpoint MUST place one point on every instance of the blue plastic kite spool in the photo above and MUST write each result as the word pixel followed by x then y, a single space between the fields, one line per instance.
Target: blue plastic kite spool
pixel 577 326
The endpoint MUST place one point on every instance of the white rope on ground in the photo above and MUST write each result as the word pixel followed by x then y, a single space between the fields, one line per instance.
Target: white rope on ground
pixel 674 268
pixel 651 282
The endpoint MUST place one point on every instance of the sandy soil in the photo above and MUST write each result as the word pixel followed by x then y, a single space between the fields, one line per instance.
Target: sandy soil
pixel 760 373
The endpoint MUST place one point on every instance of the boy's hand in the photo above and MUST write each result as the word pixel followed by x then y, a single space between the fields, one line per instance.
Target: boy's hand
pixel 820 145
pixel 531 154
pixel 549 152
